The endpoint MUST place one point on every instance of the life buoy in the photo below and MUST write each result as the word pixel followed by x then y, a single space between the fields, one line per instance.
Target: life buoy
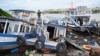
pixel 87 47
pixel 61 48
pixel 39 45
pixel 20 41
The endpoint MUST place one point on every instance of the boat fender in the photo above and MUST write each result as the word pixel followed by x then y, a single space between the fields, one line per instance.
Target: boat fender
pixel 39 44
pixel 20 41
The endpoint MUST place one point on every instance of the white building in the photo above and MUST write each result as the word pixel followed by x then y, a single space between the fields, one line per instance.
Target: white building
pixel 22 14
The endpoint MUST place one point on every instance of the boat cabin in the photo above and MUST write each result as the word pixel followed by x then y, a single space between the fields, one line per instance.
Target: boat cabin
pixel 11 30
pixel 54 30
pixel 14 26
pixel 81 19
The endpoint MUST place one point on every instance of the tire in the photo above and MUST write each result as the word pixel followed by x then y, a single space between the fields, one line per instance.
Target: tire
pixel 98 32
pixel 20 41
pixel 61 48
pixel 39 45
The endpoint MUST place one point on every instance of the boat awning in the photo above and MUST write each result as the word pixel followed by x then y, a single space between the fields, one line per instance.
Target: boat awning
pixel 53 25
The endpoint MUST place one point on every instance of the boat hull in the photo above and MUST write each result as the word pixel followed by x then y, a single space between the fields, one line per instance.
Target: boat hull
pixel 8 41
pixel 6 47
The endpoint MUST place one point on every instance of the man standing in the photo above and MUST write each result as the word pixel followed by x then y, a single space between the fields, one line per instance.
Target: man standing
pixel 39 14
pixel 80 21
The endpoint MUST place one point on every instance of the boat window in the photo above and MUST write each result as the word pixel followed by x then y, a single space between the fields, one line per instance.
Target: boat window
pixel 51 31
pixel 86 19
pixel 2 25
pixel 27 29
pixel 98 24
pixel 55 33
pixel 61 31
pixel 82 19
pixel 9 29
pixel 72 13
pixel 32 29
pixel 22 28
pixel 16 28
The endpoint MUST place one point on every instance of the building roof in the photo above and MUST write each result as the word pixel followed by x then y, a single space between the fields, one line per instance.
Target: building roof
pixel 19 10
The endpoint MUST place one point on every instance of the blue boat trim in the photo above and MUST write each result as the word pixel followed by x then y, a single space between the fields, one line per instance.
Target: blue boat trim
pixel 28 36
pixel 7 43
pixel 8 35
pixel 51 47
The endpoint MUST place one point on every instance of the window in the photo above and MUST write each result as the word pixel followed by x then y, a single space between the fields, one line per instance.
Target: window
pixel 2 25
pixel 16 28
pixel 86 19
pixel 9 29
pixel 32 29
pixel 61 31
pixel 22 28
pixel 27 29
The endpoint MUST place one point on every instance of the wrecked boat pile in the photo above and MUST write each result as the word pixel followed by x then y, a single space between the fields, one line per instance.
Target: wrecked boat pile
pixel 43 37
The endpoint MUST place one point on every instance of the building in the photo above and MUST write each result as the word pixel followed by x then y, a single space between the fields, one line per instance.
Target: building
pixel 69 10
pixel 22 14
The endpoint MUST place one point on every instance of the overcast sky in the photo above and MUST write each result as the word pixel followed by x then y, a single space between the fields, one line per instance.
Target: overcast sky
pixel 45 4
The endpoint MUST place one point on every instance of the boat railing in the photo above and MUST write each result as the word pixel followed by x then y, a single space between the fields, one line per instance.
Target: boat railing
pixel 42 32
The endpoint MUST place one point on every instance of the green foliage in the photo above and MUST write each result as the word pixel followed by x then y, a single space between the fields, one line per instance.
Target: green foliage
pixel 4 13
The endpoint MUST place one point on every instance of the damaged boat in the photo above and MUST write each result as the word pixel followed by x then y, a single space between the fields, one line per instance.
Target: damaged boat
pixel 11 30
